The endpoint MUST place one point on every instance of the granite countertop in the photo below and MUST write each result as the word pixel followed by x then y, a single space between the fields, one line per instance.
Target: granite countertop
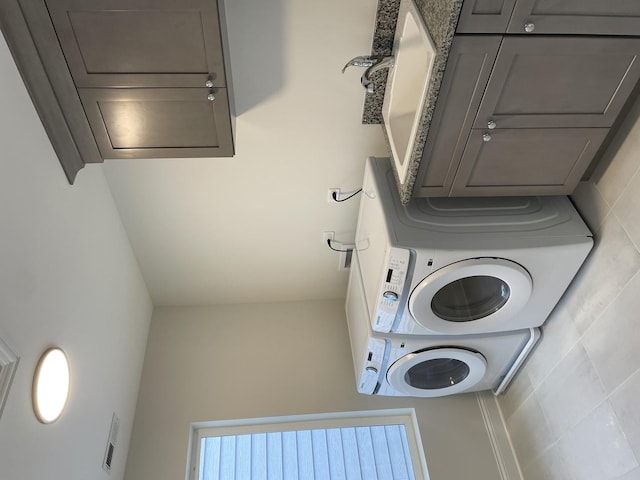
pixel 441 18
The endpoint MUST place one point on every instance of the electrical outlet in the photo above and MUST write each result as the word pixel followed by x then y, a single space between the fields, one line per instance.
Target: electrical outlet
pixel 326 236
pixel 330 193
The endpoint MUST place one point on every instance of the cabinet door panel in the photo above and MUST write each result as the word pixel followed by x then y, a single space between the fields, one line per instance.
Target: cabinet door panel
pixel 526 161
pixel 159 122
pixel 140 42
pixel 468 67
pixel 560 82
pixel 485 16
pixel 596 17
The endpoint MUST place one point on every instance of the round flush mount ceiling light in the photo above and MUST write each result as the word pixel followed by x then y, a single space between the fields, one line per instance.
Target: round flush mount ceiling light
pixel 51 385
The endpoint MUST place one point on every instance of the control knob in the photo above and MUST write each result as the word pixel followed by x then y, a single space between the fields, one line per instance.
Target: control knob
pixel 390 296
pixel 369 380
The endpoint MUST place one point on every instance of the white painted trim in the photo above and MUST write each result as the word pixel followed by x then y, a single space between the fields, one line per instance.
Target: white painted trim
pixel 506 460
pixel 405 416
pixel 8 366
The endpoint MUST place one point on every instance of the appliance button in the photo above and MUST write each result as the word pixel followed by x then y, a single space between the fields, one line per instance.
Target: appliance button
pixel 371 370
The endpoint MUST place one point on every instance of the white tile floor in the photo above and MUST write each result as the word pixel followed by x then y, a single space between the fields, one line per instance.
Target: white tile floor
pixel 573 412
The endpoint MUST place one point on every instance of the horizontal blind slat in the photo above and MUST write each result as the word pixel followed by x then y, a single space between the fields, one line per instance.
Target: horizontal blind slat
pixel 335 452
pixel 290 455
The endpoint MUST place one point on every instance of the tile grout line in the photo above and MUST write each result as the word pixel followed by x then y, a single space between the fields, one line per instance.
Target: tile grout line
pixel 608 305
pixel 522 371
pixel 637 247
pixel 623 382
pixel 626 185
pixel 602 197
pixel 615 414
pixel 544 378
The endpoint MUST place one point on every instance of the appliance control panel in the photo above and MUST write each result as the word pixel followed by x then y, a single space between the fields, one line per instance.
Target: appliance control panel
pixel 372 366
pixel 394 276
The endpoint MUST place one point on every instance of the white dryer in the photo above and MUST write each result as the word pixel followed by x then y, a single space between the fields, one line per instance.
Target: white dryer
pixel 458 266
pixel 430 366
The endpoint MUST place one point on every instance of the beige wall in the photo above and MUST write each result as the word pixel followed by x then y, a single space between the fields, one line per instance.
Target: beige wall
pixel 68 277
pixel 261 360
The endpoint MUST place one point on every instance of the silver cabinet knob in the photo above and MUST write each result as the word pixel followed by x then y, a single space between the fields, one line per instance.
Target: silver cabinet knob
pixel 211 97
pixel 486 137
pixel 529 27
pixel 491 125
pixel 208 83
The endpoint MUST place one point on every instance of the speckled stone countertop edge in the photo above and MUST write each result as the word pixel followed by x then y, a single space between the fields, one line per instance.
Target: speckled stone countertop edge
pixel 383 35
pixel 441 18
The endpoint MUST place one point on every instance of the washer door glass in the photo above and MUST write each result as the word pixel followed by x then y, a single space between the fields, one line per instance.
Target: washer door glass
pixel 470 298
pixel 437 373
pixel 477 295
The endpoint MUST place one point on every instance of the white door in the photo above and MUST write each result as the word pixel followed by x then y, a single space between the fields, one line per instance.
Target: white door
pixel 437 372
pixel 472 296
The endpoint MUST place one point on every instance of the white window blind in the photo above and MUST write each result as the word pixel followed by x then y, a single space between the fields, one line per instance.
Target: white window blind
pixel 346 453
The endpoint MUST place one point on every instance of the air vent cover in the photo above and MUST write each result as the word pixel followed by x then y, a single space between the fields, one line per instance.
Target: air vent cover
pixel 111 444
pixel 8 365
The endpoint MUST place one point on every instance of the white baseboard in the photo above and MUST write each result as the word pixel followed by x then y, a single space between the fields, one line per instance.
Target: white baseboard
pixel 500 443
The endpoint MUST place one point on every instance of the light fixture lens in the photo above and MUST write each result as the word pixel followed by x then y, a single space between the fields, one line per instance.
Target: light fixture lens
pixel 51 385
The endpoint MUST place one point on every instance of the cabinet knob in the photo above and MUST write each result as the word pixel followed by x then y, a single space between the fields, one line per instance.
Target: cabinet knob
pixel 486 137
pixel 491 125
pixel 208 83
pixel 529 27
pixel 211 97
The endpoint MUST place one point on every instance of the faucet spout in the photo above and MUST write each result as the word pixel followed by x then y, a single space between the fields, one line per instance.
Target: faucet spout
pixel 359 62
pixel 380 63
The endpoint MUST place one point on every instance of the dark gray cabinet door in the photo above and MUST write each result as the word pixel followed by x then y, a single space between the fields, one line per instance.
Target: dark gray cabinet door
pixel 468 67
pixel 140 43
pixel 526 161
pixel 158 122
pixel 560 82
pixel 595 17
pixel 485 16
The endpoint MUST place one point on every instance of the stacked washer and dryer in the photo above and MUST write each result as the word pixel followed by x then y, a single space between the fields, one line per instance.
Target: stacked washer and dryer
pixel 447 295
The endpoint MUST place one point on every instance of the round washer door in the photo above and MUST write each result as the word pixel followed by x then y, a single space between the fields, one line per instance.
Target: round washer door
pixel 472 296
pixel 437 372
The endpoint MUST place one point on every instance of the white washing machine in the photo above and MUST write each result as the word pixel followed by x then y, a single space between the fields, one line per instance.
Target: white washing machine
pixel 430 366
pixel 458 266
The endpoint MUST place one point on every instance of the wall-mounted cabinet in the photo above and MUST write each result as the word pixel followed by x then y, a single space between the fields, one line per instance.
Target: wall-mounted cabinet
pixel 142 78
pixel 520 115
pixel 158 122
pixel 140 43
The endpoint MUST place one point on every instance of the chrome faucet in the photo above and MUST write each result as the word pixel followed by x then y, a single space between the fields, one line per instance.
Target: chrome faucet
pixel 360 62
pixel 384 62
pixel 372 63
